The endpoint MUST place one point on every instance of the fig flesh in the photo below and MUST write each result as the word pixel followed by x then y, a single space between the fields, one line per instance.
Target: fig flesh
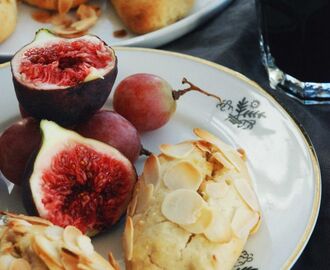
pixel 78 181
pixel 64 80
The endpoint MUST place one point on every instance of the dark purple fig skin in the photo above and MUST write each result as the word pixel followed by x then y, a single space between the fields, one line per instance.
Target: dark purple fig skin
pixel 66 106
pixel 27 197
pixel 113 129
pixel 17 143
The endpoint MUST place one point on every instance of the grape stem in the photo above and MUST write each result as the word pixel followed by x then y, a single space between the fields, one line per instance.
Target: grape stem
pixel 178 93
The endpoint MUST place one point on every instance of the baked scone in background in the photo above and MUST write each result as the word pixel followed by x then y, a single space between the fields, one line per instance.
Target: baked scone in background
pixel 193 208
pixel 8 16
pixel 143 16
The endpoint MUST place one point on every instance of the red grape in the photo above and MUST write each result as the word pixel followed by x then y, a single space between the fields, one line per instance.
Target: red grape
pixel 17 143
pixel 148 101
pixel 145 100
pixel 111 128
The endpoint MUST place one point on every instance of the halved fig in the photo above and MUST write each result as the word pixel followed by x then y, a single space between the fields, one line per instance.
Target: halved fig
pixel 78 181
pixel 64 80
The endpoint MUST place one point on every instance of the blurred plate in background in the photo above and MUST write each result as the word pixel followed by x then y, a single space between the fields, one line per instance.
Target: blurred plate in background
pixel 109 22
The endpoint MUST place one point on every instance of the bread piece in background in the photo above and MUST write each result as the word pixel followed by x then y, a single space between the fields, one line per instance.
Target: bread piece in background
pixel 143 16
pixel 8 16
pixel 61 5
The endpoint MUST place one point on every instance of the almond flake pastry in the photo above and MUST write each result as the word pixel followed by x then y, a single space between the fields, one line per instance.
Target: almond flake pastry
pixel 193 207
pixel 33 243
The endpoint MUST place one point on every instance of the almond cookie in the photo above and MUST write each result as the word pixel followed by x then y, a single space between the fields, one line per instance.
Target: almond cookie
pixel 28 243
pixel 193 207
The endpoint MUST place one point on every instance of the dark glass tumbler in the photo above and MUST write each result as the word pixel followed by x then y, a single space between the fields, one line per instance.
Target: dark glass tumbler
pixel 295 47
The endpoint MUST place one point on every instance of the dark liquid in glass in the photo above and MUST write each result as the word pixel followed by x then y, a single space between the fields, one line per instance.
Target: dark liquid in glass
pixel 298 35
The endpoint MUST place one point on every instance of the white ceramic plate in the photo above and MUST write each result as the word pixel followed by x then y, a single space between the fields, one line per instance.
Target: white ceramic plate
pixel 109 22
pixel 280 156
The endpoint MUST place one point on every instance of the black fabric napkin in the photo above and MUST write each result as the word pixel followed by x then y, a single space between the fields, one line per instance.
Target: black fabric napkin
pixel 231 39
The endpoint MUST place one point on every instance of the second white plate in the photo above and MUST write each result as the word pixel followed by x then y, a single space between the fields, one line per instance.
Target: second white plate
pixel 109 22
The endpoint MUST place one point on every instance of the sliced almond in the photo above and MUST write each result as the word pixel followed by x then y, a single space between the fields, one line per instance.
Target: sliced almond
pixel 242 153
pixel 183 175
pixel 20 264
pixel 128 239
pixel 54 233
pixel 178 151
pixel 219 229
pixel 69 260
pixel 32 220
pixel 204 146
pixel 83 267
pixel 204 220
pixel 225 149
pixel 63 6
pixel 97 9
pixel 222 159
pixel 85 24
pixel 87 11
pixel 21 222
pixel 113 261
pixel 98 263
pixel 151 171
pixel 70 237
pixel 37 221
pixel 85 245
pixel 137 218
pixel 6 261
pixel 216 190
pixel 64 31
pixel 20 229
pixel 7 247
pixel 226 177
pixel 246 192
pixel 256 227
pixel 146 195
pixel 47 252
pixel 182 206
pixel 3 231
pixel 73 35
pixel 20 226
pixel 62 19
pixel 207 136
pixel 132 206
pixel 243 222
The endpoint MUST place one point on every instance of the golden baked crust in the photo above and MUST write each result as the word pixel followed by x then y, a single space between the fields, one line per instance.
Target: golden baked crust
pixel 143 16
pixel 31 243
pixel 55 4
pixel 152 240
pixel 8 15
